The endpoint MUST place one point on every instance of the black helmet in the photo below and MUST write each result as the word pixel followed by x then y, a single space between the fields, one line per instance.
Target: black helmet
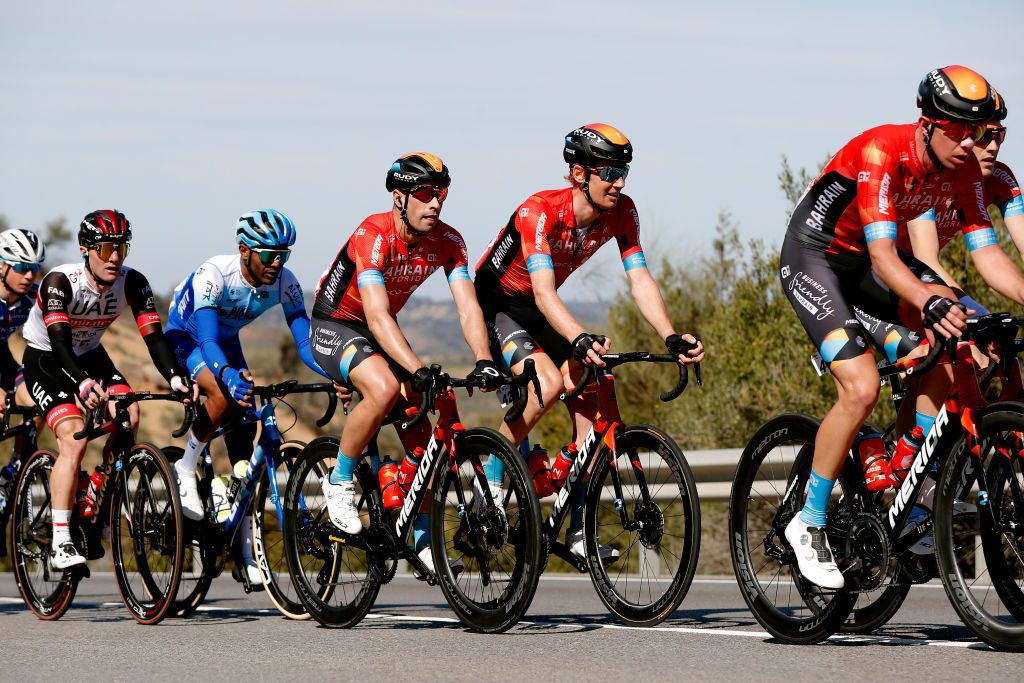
pixel 1000 107
pixel 956 93
pixel 415 169
pixel 597 144
pixel 105 225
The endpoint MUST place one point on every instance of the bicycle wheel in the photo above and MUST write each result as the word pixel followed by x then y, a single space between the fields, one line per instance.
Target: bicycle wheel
pixel 980 551
pixel 498 543
pixel 776 460
pixel 268 533
pixel 656 529
pixel 146 534
pixel 202 558
pixel 47 592
pixel 332 580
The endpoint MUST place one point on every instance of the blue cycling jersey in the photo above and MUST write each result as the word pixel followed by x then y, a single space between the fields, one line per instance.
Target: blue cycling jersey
pixel 13 316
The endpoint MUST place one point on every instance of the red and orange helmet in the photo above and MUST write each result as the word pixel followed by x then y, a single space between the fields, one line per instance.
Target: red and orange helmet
pixel 597 144
pixel 956 93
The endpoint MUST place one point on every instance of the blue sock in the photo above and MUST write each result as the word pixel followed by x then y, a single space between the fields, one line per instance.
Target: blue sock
pixel 925 422
pixel 420 531
pixel 343 469
pixel 579 498
pixel 494 469
pixel 818 491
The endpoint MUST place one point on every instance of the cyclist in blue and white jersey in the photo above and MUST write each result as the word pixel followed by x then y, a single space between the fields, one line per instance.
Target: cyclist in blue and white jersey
pixel 210 307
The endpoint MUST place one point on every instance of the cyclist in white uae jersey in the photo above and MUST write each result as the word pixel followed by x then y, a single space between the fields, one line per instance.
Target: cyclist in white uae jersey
pixel 64 360
pixel 210 307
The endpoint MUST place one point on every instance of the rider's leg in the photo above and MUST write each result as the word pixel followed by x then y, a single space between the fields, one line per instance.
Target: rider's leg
pixel 379 389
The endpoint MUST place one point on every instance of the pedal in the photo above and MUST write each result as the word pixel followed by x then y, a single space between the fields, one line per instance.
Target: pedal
pixel 77 573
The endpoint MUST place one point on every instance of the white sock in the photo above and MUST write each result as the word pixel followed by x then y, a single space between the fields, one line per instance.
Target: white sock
pixel 245 539
pixel 188 461
pixel 61 527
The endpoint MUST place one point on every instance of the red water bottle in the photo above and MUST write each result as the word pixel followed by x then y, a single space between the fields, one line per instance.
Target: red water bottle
pixel 390 492
pixel 562 465
pixel 537 462
pixel 874 459
pixel 906 450
pixel 88 491
pixel 407 472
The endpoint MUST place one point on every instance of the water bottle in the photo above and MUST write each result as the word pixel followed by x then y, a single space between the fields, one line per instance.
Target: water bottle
pixel 238 492
pixel 906 450
pixel 874 460
pixel 537 462
pixel 407 472
pixel 390 491
pixel 562 465
pixel 88 492
pixel 221 508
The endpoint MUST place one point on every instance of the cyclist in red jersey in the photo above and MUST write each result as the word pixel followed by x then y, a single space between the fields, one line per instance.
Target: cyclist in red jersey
pixel 840 250
pixel 548 237
pixel 355 336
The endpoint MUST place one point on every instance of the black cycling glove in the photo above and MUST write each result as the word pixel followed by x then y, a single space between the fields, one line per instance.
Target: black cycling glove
pixel 421 380
pixel 676 345
pixel 935 310
pixel 584 343
pixel 486 375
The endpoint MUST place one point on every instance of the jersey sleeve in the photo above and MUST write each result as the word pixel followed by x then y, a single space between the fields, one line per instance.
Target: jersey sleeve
pixel 55 304
pixel 1007 197
pixel 628 237
pixel 456 265
pixel 368 251
pixel 207 286
pixel 534 220
pixel 292 301
pixel 878 170
pixel 977 226
pixel 139 295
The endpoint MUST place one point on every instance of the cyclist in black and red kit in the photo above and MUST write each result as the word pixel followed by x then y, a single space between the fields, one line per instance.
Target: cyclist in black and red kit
pixel 840 251
pixel 65 364
pixel 548 237
pixel 355 335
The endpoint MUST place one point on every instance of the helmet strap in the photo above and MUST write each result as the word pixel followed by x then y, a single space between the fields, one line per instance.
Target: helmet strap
pixel 585 186
pixel 248 269
pixel 5 289
pixel 929 129
pixel 405 218
pixel 95 277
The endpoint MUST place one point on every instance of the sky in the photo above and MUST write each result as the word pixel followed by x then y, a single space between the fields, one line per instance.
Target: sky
pixel 185 115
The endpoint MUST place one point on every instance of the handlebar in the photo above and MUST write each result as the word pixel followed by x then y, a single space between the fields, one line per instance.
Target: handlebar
pixel 94 428
pixel 440 380
pixel 292 386
pixel 613 360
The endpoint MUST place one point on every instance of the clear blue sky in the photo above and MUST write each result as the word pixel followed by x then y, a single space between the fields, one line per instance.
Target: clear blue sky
pixel 186 114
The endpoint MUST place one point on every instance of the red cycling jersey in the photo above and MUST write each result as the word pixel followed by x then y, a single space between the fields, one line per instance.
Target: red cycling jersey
pixel 542 235
pixel 875 184
pixel 1001 189
pixel 376 255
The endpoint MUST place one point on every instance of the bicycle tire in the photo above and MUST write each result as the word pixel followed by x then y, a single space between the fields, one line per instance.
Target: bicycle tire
pixel 146 536
pixel 504 543
pixel 666 546
pixel 980 605
pixel 786 437
pixel 200 556
pixel 332 581
pixel 268 535
pixel 46 593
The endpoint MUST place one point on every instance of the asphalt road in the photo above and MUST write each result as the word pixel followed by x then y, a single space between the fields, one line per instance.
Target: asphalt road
pixel 411 635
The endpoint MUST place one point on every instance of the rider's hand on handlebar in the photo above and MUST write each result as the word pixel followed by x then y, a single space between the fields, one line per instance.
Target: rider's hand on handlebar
pixel 184 384
pixel 688 348
pixel 421 380
pixel 486 374
pixel 587 348
pixel 945 317
pixel 90 393
pixel 239 385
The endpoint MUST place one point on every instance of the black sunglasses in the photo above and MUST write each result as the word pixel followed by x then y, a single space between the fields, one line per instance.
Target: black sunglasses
pixel 610 174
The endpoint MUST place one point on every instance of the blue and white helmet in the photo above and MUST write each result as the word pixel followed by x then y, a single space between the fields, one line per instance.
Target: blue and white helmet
pixel 265 229
pixel 21 246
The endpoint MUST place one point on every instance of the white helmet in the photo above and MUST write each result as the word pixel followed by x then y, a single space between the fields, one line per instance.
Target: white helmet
pixel 21 246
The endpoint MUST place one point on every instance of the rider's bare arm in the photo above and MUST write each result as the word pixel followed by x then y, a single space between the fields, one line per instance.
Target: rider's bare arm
pixel 925 241
pixel 471 318
pixel 999 272
pixel 385 328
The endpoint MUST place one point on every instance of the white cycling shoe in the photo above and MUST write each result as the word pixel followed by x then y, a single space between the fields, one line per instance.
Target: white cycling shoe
pixel 341 505
pixel 188 493
pixel 813 554
pixel 427 558
pixel 65 556
pixel 578 547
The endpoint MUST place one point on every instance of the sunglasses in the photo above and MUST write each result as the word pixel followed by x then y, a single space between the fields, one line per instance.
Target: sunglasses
pixel 23 268
pixel 426 193
pixel 268 256
pixel 997 133
pixel 958 131
pixel 107 249
pixel 610 174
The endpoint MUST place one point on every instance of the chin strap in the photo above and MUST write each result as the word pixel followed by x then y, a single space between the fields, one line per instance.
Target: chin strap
pixel 585 186
pixel 248 269
pixel 3 279
pixel 88 267
pixel 928 147
pixel 405 218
